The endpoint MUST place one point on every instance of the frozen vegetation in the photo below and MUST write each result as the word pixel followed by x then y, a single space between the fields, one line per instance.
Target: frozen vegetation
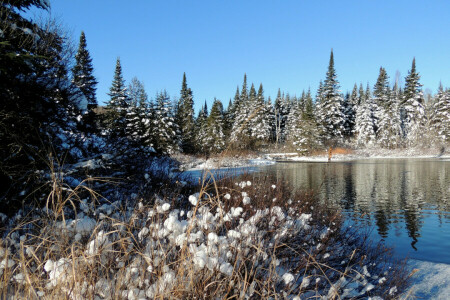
pixel 246 237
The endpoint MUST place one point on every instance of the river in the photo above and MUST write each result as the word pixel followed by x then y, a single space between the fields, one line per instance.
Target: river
pixel 404 202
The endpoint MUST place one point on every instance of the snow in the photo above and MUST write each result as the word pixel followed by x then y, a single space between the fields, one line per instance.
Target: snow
pixel 432 281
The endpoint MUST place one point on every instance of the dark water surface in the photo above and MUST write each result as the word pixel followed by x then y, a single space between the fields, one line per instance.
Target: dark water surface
pixel 405 202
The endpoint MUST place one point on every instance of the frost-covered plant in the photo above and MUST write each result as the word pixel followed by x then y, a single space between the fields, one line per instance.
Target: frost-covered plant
pixel 247 237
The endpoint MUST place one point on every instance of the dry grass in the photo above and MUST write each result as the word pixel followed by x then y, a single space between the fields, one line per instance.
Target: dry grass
pixel 124 255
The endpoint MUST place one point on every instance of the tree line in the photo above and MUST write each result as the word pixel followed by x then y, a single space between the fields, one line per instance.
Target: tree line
pixel 384 117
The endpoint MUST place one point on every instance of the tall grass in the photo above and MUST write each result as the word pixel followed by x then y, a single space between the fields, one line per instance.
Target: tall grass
pixel 216 244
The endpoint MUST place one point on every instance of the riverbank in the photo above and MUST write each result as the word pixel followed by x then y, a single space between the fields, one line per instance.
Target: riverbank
pixel 191 163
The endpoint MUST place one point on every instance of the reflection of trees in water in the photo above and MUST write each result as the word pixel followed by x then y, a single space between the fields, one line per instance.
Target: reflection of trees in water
pixel 385 193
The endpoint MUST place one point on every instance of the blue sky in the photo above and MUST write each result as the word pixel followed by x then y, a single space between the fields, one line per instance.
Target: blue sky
pixel 283 44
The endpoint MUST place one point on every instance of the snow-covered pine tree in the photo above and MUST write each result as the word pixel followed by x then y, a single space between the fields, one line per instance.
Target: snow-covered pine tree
pixel 350 112
pixel 362 96
pixel 348 108
pixel 138 118
pixel 260 123
pixel 117 106
pixel 413 105
pixel 201 129
pixel 185 117
pixel 83 78
pixel 364 129
pixel 227 120
pixel 332 118
pixel 308 111
pixel 386 113
pixel 302 130
pixel 440 116
pixel 214 140
pixel 164 127
pixel 293 123
pixel 239 131
pixel 281 109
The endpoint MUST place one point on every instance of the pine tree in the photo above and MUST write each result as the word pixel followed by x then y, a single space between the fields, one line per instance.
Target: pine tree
pixel 201 129
pixel 214 140
pixel 386 113
pixel 348 109
pixel 259 123
pixel 302 131
pixel 83 78
pixel 164 127
pixel 413 105
pixel 240 131
pixel 364 129
pixel 332 118
pixel 227 120
pixel 138 114
pixel 117 107
pixel 185 117
pixel 281 108
pixel 440 116
pixel 362 96
pixel 82 73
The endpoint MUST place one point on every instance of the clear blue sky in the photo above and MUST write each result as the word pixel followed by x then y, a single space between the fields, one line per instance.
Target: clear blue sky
pixel 283 44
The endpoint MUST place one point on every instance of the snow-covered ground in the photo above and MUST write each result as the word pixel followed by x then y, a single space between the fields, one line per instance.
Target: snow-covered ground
pixel 431 281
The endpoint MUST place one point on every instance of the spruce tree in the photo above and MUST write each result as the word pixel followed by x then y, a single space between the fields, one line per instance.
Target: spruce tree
pixel 332 118
pixel 138 114
pixel 214 140
pixel 164 127
pixel 201 129
pixel 413 105
pixel 281 108
pixel 440 116
pixel 82 73
pixel 83 78
pixel 260 123
pixel 308 111
pixel 239 132
pixel 117 106
pixel 185 117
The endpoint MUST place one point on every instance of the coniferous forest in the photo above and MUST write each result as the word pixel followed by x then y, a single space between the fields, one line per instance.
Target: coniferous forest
pixel 94 165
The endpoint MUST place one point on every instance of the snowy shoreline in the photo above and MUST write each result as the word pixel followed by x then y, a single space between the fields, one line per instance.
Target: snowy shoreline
pixel 189 163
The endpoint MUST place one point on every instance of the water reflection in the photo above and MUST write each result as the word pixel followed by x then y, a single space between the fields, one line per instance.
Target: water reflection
pixel 399 197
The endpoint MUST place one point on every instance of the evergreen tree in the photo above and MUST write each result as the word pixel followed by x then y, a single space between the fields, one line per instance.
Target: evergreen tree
pixel 364 130
pixel 83 78
pixel 302 130
pixel 413 105
pixel 348 108
pixel 281 108
pixel 240 130
pixel 440 116
pixel 260 123
pixel 185 117
pixel 332 118
pixel 214 140
pixel 82 73
pixel 138 113
pixel 308 111
pixel 164 127
pixel 228 120
pixel 362 96
pixel 201 129
pixel 386 113
pixel 39 105
pixel 117 107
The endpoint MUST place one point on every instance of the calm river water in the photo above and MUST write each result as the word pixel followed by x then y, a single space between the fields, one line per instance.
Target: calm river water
pixel 405 202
